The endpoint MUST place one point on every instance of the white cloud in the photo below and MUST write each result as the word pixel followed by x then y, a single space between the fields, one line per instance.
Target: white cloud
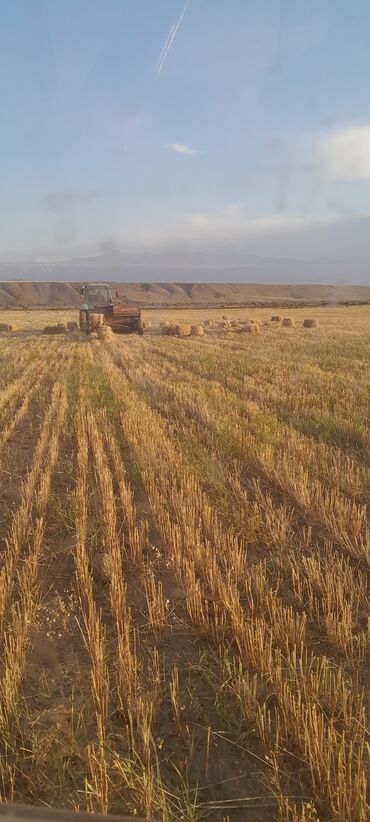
pixel 230 227
pixel 345 154
pixel 229 230
pixel 180 148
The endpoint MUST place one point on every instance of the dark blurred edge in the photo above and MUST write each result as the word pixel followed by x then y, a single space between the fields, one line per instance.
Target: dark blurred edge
pixel 19 813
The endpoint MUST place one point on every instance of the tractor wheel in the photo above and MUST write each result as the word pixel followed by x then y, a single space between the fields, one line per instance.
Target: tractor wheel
pixel 84 324
pixel 140 328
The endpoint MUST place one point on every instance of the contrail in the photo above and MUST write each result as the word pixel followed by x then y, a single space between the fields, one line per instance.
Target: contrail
pixel 170 38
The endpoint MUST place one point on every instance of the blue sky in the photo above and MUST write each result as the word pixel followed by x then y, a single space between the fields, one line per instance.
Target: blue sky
pixel 255 134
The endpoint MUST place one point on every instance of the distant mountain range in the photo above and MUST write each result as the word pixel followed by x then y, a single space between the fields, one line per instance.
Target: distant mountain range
pixel 26 293
pixel 175 278
pixel 192 267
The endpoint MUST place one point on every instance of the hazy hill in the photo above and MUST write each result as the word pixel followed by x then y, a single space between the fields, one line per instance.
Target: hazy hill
pixel 192 267
pixel 15 293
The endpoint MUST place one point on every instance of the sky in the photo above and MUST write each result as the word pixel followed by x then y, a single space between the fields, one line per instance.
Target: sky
pixel 165 124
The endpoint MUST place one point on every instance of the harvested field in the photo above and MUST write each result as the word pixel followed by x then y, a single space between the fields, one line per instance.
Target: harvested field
pixel 184 568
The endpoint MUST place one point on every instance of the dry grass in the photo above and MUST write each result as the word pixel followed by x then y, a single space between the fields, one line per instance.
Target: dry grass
pixel 184 578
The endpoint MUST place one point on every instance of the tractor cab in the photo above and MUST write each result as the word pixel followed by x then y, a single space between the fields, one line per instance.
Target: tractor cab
pixel 97 294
